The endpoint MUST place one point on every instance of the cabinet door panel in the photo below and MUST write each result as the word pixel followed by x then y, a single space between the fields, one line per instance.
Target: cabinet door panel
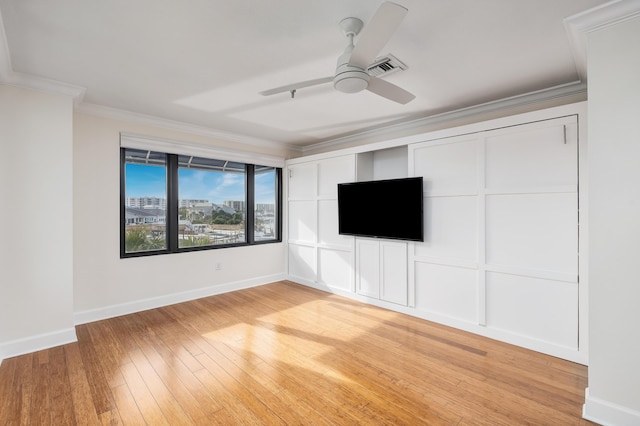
pixel 335 268
pixel 302 221
pixel 302 181
pixel 333 171
pixel 368 267
pixel 302 262
pixel 393 272
pixel 531 156
pixel 451 228
pixel 328 225
pixel 447 290
pixel 538 308
pixel 448 169
pixel 533 231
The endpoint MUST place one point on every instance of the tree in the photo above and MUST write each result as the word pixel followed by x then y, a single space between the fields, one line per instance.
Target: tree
pixel 141 238
pixel 194 241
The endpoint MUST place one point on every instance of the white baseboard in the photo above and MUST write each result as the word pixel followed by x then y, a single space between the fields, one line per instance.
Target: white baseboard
pixel 36 343
pixel 111 311
pixel 528 342
pixel 608 413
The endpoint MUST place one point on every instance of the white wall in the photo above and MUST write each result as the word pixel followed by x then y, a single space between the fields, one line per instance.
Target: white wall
pixel 104 284
pixel 36 254
pixel 59 261
pixel 613 396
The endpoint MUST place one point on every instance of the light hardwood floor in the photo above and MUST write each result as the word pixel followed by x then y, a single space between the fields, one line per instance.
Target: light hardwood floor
pixel 286 354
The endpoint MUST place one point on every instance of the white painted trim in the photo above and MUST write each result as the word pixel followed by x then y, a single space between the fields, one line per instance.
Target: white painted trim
pixel 454 131
pixel 567 93
pixel 106 312
pixel 596 409
pixel 577 26
pixel 149 120
pixel 570 354
pixel 10 77
pixel 26 81
pixel 527 342
pixel 38 342
pixel 129 140
pixel 5 57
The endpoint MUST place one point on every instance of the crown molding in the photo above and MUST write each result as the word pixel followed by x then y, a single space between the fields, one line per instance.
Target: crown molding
pixel 5 58
pixel 26 81
pixel 9 77
pixel 134 117
pixel 579 25
pixel 557 95
pixel 577 28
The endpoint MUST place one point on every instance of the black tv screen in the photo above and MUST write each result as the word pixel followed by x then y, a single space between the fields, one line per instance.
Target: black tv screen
pixel 382 209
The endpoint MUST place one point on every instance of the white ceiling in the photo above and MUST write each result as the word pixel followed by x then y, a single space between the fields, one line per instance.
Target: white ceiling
pixel 203 62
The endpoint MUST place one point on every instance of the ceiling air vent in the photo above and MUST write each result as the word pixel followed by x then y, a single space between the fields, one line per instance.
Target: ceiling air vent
pixel 386 65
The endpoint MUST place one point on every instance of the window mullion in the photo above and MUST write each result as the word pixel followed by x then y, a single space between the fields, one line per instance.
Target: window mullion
pixel 123 215
pixel 250 206
pixel 172 202
pixel 279 202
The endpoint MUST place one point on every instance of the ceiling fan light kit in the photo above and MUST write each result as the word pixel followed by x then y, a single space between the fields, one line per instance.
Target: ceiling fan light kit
pixel 351 75
pixel 350 78
pixel 351 81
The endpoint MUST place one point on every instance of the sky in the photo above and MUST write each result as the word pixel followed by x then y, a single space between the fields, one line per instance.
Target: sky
pixel 150 181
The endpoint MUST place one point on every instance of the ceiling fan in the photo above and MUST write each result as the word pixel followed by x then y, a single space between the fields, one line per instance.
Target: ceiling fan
pixel 351 74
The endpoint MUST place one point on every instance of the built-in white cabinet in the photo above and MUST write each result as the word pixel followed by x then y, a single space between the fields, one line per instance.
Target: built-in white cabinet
pixel 501 240
pixel 502 235
pixel 317 254
pixel 381 270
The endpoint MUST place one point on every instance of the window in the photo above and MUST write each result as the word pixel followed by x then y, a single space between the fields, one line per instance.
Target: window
pixel 145 206
pixel 265 223
pixel 175 203
pixel 212 200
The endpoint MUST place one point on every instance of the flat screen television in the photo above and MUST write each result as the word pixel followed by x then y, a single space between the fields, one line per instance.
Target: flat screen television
pixel 391 208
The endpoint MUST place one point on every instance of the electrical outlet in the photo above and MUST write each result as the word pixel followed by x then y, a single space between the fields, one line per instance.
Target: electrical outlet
pixel 218 266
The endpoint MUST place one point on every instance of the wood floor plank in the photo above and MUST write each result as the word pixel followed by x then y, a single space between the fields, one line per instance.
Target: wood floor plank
pixel 26 382
pixel 286 354
pixel 235 366
pixel 61 401
pixel 81 397
pixel 145 401
pixel 162 395
pixel 98 383
pixel 113 354
pixel 239 392
pixel 9 403
pixel 130 414
pixel 234 411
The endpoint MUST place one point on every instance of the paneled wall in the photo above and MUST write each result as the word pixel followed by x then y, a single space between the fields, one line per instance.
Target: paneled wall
pixel 500 255
pixel 316 252
pixel 501 243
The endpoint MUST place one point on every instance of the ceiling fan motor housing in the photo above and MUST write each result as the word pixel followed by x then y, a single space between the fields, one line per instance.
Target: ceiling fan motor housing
pixel 349 78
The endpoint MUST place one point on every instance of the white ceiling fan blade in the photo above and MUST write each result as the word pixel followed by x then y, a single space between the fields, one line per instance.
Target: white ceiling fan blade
pixel 376 33
pixel 389 91
pixel 296 86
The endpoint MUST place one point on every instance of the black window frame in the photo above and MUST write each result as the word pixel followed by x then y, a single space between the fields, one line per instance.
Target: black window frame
pixel 172 230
